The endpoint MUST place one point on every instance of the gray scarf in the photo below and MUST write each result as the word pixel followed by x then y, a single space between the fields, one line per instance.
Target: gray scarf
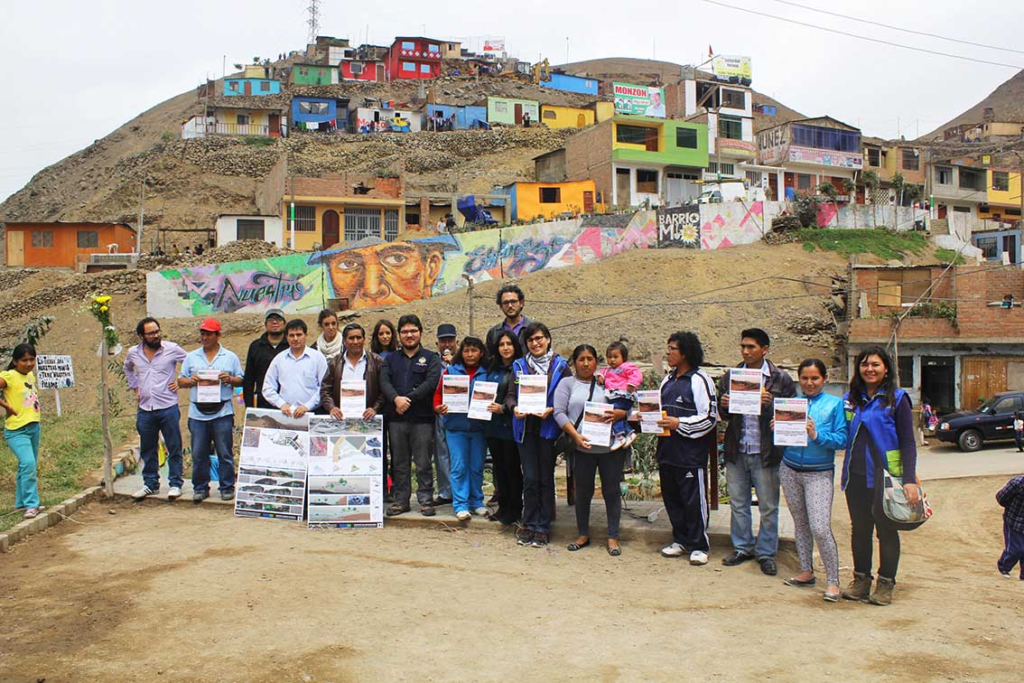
pixel 541 364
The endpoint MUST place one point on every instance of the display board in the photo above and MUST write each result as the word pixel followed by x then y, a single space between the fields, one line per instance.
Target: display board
pixel 346 470
pixel 272 465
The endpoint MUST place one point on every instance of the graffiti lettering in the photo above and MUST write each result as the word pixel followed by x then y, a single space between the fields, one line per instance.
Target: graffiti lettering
pixel 518 258
pixel 267 288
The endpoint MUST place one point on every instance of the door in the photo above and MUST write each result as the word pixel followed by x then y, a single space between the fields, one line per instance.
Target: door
pixel 674 191
pixel 248 88
pixel 331 225
pixel 651 140
pixel 581 121
pixel 15 248
pixel 519 114
pixel 983 378
pixel 938 379
pixel 588 201
pixel 275 125
pixel 623 196
pixel 999 424
pixel 380 73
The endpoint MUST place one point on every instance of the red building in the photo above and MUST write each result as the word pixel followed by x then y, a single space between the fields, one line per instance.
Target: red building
pixel 414 58
pixel 354 70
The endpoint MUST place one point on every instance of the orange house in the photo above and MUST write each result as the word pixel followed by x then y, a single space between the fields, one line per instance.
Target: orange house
pixel 60 244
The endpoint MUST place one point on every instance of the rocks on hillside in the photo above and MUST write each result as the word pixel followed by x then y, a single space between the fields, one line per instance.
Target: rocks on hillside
pixel 244 250
pixel 115 282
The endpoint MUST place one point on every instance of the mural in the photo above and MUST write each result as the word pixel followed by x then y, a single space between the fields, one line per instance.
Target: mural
pixel 866 216
pixel 679 227
pixel 731 224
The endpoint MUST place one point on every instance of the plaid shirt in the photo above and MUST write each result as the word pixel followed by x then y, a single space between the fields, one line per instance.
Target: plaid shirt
pixel 1011 497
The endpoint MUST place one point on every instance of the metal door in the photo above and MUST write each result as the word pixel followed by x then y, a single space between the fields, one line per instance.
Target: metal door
pixel 15 248
pixel 623 194
pixel 331 225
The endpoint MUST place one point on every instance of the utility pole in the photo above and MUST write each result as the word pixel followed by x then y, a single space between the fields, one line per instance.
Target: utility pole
pixel 291 211
pixel 469 280
pixel 142 201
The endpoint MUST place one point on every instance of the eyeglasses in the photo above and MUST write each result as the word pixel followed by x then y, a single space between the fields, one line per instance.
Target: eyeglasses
pixel 509 302
pixel 409 332
pixel 536 340
pixel 151 334
pixel 673 348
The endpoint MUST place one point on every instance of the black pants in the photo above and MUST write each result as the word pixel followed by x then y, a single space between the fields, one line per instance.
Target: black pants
pixel 538 457
pixel 860 500
pixel 585 465
pixel 684 493
pixel 508 479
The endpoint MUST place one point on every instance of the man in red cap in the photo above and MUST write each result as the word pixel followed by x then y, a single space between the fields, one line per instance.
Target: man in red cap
pixel 209 373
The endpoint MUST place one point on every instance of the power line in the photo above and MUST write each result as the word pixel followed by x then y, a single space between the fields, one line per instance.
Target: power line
pixel 899 28
pixel 868 38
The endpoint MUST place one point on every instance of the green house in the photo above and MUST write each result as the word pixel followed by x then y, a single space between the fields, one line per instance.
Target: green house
pixel 314 74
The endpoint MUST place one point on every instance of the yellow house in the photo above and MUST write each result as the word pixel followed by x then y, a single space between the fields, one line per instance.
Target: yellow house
pixel 605 111
pixel 552 200
pixel 566 117
pixel 1004 199
pixel 342 208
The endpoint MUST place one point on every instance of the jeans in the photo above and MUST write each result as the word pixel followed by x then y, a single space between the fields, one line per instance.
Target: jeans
pixel 860 502
pixel 621 427
pixel 442 457
pixel 1013 552
pixel 508 479
pixel 468 451
pixel 218 431
pixel 538 457
pixel 411 442
pixel 585 466
pixel 748 469
pixel 24 442
pixel 150 424
pixel 1018 439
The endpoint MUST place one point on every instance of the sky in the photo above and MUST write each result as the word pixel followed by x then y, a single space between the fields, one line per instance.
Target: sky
pixel 75 71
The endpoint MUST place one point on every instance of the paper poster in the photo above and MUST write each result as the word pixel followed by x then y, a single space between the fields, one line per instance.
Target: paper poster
pixel 208 386
pixel 593 428
pixel 533 390
pixel 272 465
pixel 353 398
pixel 649 406
pixel 54 372
pixel 455 393
pixel 483 396
pixel 745 391
pixel 346 467
pixel 790 422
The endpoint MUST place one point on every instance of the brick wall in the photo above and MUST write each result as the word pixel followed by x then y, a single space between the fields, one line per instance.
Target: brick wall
pixel 588 155
pixel 343 184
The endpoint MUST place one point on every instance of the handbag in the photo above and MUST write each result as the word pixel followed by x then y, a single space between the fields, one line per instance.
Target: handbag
pixel 891 503
pixel 564 442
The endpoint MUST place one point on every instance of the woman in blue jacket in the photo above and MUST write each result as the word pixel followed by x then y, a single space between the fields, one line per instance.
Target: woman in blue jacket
pixel 536 435
pixel 808 478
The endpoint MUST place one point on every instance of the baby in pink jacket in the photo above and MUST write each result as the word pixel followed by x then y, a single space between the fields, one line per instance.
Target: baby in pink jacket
pixel 620 379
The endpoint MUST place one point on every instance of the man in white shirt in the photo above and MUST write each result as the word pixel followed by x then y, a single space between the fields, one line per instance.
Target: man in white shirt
pixel 293 380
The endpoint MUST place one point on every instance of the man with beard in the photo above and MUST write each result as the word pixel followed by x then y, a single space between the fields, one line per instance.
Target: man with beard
pixel 152 370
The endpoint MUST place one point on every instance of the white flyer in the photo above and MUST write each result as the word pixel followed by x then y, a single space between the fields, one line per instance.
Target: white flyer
pixel 208 386
pixel 649 406
pixel 455 393
pixel 483 396
pixel 790 422
pixel 745 391
pixel 593 428
pixel 353 398
pixel 533 390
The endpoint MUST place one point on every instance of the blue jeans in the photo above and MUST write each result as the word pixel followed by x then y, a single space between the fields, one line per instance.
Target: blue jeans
pixel 218 432
pixel 150 424
pixel 442 458
pixel 621 427
pixel 24 441
pixel 468 451
pixel 747 470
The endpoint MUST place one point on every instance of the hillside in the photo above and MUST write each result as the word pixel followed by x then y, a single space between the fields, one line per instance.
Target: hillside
pixel 1007 102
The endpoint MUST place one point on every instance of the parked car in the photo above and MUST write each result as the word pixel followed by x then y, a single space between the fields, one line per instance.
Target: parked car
pixel 993 421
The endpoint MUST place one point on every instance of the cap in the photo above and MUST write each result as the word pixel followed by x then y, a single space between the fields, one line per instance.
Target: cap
pixel 274 311
pixel 210 325
pixel 446 330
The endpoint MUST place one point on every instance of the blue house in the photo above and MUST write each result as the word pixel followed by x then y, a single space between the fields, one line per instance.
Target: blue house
pixel 251 87
pixel 318 110
pixel 460 117
pixel 578 84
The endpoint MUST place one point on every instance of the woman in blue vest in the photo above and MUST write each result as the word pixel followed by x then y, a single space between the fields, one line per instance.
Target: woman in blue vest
pixel 881 435
pixel 508 472
pixel 808 478
pixel 466 438
pixel 536 436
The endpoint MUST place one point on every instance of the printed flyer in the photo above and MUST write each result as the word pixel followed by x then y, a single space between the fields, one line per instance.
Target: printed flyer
pixel 533 390
pixel 649 406
pixel 346 467
pixel 483 396
pixel 745 391
pixel 353 398
pixel 790 422
pixel 272 465
pixel 593 428
pixel 455 393
pixel 208 386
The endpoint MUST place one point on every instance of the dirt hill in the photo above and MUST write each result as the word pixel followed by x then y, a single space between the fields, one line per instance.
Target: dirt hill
pixel 1007 101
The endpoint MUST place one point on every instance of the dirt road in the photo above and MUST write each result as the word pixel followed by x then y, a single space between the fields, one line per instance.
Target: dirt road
pixel 161 592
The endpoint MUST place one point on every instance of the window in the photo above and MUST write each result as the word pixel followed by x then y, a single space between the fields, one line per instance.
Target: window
pixel 501 107
pixel 906 371
pixel 646 181
pixel 318 108
pixel 971 179
pixel 233 85
pixel 548 114
pixel 433 48
pixel 408 45
pixel 1005 406
pixel 357 69
pixel 42 239
pixel 726 169
pixel 303 71
pixel 874 157
pixel 88 239
pixel 424 68
pixel 305 219
pixel 264 86
pixel 686 138
pixel 550 195
pixel 753 178
pixel 826 138
pixel 360 223
pixel 911 159
pixel 632 135
pixel 391 224
pixel 250 229
pixel 242 119
pixel 734 99
pixel 730 127
pixel 989 247
pixel 903 287
pixel 803 181
pixel 943 175
pixel 1000 181
pixel 408 66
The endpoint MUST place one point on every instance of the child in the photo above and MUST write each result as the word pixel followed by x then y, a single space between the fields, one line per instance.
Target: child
pixel 21 429
pixel 1018 430
pixel 1011 497
pixel 620 379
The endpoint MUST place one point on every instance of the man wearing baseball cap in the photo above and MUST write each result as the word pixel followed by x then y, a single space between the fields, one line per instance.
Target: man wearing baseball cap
pixel 261 352
pixel 211 421
pixel 447 344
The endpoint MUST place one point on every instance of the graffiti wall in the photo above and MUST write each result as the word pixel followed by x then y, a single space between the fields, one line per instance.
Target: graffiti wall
pixel 731 224
pixel 391 273
pixel 679 227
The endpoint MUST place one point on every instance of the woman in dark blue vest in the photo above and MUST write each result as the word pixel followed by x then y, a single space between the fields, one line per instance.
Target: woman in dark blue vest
pixel 881 436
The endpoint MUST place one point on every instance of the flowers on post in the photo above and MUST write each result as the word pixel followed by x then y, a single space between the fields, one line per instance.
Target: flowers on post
pixel 99 306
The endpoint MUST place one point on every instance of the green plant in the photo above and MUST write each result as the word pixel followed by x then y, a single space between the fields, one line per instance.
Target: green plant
pixel 871 182
pixel 933 309
pixel 35 330
pixel 167 136
pixel 258 141
pixel 950 256
pixel 644 463
pixel 807 210
pixel 828 190
pixel 850 188
pixel 386 173
pixel 885 244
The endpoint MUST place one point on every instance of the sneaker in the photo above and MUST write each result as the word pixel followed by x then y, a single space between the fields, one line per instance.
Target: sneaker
pixel 143 492
pixel 31 513
pixel 228 494
pixel 1005 575
pixel 199 496
pixel 524 537
pixel 630 438
pixel 540 540
pixel 174 493
pixel 482 512
pixel 618 442
pixel 698 558
pixel 463 515
pixel 674 550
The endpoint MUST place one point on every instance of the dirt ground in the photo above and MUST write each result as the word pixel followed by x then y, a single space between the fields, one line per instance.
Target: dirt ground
pixel 140 595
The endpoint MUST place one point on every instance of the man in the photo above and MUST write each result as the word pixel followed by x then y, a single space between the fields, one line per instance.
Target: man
pixel 408 382
pixel 656 108
pixel 211 421
pixel 356 363
pixel 294 378
pixel 447 345
pixel 510 300
pixel 152 368
pixel 751 459
pixel 688 401
pixel 261 353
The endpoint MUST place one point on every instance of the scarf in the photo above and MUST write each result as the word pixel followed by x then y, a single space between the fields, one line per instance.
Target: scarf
pixel 329 349
pixel 541 365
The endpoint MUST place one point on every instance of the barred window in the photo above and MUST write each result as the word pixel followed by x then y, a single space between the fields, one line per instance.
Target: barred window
pixel 305 218
pixel 360 223
pixel 391 225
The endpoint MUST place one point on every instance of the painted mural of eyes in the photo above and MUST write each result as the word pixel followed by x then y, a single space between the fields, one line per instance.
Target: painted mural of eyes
pixel 349 265
pixel 395 260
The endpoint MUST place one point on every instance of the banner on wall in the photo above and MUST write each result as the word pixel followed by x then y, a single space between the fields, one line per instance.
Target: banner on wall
pixel 679 227
pixel 639 100
pixel 346 472
pixel 732 66
pixel 272 466
pixel 494 45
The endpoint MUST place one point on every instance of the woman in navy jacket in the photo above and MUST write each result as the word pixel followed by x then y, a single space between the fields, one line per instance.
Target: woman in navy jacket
pixel 508 473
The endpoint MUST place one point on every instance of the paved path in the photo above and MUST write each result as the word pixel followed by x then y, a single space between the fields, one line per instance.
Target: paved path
pixel 946 461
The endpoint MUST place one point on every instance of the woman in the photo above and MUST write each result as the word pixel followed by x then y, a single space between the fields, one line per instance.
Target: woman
pixel 21 428
pixel 384 340
pixel 536 435
pixel 590 458
pixel 807 474
pixel 466 437
pixel 881 436
pixel 508 477
pixel 329 343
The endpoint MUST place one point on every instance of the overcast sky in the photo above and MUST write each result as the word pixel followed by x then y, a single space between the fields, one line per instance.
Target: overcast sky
pixel 77 70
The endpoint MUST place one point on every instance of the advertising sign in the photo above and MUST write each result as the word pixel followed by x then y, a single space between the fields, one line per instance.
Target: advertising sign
pixel 731 66
pixel 639 100
pixel 679 227
pixel 494 45
pixel 54 372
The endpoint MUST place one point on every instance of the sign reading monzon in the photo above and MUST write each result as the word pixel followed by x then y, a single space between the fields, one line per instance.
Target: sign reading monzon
pixel 639 100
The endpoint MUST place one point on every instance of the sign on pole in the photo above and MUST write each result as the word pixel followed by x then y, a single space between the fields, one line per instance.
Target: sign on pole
pixel 54 372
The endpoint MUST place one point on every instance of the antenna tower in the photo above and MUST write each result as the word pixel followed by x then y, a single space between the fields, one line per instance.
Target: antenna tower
pixel 313 10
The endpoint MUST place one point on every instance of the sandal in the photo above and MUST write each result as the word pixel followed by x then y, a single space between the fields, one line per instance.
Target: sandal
pixel 797 583
pixel 573 547
pixel 614 552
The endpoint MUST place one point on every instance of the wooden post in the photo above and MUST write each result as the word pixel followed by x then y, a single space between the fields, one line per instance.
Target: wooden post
pixel 108 448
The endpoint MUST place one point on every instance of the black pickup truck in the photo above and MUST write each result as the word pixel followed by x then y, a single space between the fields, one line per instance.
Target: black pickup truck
pixel 993 421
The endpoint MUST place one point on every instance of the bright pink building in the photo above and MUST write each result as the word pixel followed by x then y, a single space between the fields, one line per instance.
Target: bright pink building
pixel 414 58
